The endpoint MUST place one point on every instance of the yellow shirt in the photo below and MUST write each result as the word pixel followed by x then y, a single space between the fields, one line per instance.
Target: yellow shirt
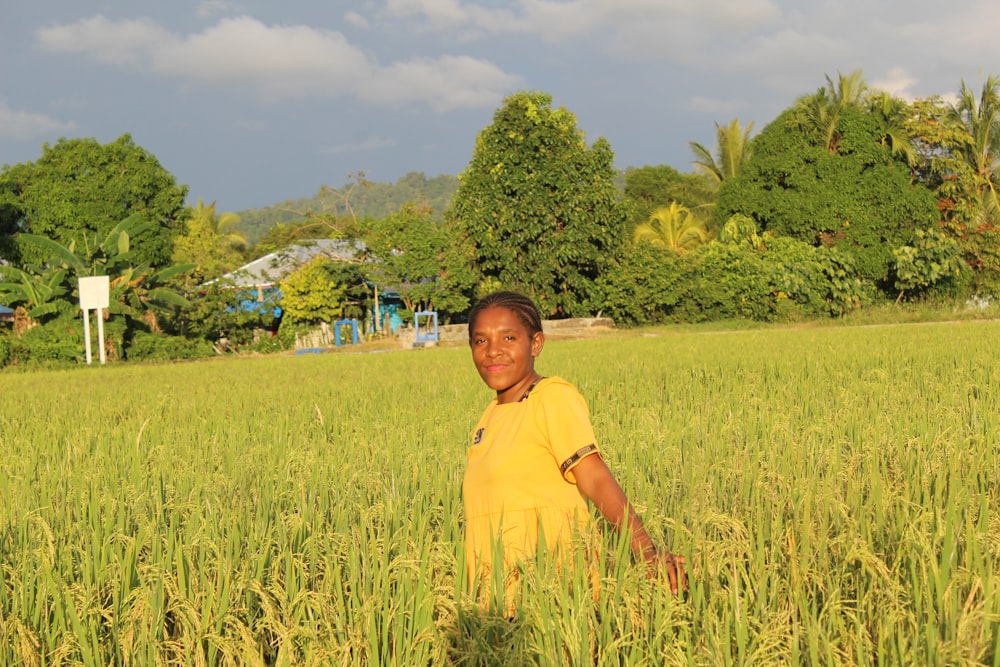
pixel 519 479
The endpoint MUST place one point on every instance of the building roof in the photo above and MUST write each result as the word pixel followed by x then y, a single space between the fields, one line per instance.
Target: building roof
pixel 270 269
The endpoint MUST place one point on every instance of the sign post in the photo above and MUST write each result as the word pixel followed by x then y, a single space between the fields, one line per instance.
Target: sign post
pixel 95 294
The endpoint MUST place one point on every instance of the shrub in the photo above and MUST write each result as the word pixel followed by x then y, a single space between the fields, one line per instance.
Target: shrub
pixel 146 346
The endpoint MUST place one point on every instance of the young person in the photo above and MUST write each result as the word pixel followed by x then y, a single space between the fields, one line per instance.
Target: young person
pixel 533 461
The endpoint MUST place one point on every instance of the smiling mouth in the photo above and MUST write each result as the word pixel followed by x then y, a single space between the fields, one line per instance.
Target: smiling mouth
pixel 496 367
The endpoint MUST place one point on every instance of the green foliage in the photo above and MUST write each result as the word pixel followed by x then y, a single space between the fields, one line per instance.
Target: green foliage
pixel 424 260
pixel 929 258
pixel 211 243
pixel 651 187
pixel 732 151
pixel 148 346
pixel 6 343
pixel 639 287
pixel 311 294
pixel 857 198
pixel 79 189
pixel 137 291
pixel 674 227
pixel 541 208
pixel 58 342
pixel 214 313
pixel 42 292
pixel 744 275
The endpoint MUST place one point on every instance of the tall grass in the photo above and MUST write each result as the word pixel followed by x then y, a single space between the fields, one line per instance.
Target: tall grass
pixel 835 491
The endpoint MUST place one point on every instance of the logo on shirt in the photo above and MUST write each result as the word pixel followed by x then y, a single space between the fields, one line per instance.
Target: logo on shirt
pixel 478 438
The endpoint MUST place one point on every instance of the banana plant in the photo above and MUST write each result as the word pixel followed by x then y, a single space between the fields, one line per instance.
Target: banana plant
pixel 137 291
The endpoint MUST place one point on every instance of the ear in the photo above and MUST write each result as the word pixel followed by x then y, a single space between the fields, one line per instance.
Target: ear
pixel 537 343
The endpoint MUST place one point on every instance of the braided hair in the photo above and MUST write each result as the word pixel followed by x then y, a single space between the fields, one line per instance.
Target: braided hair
pixel 516 303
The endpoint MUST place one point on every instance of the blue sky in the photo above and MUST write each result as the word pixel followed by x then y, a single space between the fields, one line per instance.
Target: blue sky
pixel 251 103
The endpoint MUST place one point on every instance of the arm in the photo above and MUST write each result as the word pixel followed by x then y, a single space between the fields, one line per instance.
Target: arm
pixel 595 481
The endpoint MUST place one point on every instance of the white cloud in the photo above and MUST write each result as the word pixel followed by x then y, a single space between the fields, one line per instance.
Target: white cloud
pixel 897 82
pixel 356 20
pixel 642 29
pixel 24 125
pixel 296 61
pixel 457 82
pixel 118 42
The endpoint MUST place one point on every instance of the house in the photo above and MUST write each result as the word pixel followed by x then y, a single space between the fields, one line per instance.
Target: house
pixel 257 282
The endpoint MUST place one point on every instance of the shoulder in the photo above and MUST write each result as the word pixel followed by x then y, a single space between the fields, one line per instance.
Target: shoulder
pixel 556 389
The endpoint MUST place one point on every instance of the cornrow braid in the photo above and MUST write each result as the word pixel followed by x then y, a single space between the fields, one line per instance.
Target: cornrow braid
pixel 516 303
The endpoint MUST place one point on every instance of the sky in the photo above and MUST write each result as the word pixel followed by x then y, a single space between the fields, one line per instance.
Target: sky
pixel 254 102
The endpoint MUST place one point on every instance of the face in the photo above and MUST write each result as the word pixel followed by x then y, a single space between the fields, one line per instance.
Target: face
pixel 504 352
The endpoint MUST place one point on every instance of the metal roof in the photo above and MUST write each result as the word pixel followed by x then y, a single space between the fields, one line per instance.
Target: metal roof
pixel 270 269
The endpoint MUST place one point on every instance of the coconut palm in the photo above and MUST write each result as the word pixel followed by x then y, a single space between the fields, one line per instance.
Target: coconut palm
pixel 981 120
pixel 819 114
pixel 212 242
pixel 732 151
pixel 892 114
pixel 674 228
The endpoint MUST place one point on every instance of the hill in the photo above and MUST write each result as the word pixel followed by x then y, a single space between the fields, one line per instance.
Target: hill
pixel 366 199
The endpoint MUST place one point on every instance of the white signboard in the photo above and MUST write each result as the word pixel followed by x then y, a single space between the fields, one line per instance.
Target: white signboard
pixel 95 293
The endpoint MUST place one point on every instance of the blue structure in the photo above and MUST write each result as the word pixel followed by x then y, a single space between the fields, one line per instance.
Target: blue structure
pixel 428 335
pixel 354 330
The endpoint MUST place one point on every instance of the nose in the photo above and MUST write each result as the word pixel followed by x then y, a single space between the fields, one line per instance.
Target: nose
pixel 492 349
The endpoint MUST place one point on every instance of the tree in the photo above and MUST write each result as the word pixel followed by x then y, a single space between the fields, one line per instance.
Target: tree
pixel 651 187
pixel 858 198
pixel 818 115
pixel 674 228
pixel 211 242
pixel 539 207
pixel 981 120
pixel 957 160
pixel 422 259
pixel 732 151
pixel 930 258
pixel 311 294
pixel 138 291
pixel 80 187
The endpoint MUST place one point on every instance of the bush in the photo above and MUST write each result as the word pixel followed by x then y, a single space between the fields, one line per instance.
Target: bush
pixel 5 349
pixel 58 342
pixel 750 276
pixel 639 288
pixel 146 346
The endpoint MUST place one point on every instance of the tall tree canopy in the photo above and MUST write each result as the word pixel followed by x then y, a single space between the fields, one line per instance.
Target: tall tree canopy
pixel 541 208
pixel 851 192
pixel 79 187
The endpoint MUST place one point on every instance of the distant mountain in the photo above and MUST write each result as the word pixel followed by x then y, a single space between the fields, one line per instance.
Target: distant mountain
pixel 366 199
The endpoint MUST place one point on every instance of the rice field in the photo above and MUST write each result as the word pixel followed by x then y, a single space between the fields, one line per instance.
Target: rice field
pixel 835 490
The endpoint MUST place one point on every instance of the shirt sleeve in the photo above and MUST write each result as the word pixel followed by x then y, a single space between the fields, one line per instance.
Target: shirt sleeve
pixel 566 422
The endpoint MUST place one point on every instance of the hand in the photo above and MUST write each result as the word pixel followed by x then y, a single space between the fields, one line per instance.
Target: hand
pixel 674 566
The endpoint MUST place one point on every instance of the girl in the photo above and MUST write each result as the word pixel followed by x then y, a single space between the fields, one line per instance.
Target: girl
pixel 534 462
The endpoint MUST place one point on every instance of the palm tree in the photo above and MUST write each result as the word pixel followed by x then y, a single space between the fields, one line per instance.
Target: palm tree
pixel 819 113
pixel 211 242
pixel 892 114
pixel 222 225
pixel 981 120
pixel 674 228
pixel 732 151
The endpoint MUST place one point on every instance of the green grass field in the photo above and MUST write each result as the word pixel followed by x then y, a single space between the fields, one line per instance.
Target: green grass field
pixel 836 492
